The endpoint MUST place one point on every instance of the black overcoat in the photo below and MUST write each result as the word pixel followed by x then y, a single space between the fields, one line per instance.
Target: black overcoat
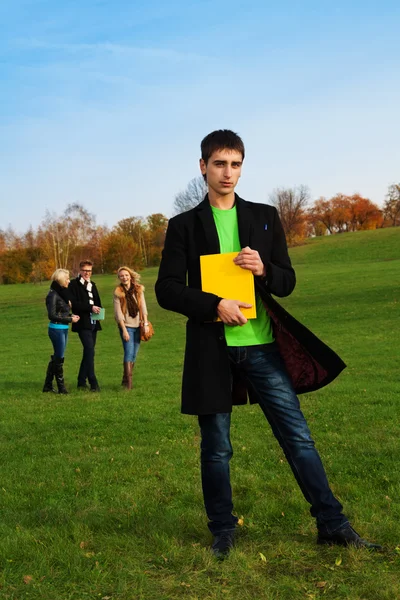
pixel 207 375
pixel 81 305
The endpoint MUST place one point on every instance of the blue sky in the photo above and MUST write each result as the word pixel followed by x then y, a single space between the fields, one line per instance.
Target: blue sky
pixel 105 103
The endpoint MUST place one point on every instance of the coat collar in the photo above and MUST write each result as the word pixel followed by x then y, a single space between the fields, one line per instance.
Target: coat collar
pixel 245 224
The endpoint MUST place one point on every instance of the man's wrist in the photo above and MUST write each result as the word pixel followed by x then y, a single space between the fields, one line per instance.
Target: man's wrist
pixel 263 274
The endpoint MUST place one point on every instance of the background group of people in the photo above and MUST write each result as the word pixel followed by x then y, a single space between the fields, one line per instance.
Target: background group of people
pixel 78 302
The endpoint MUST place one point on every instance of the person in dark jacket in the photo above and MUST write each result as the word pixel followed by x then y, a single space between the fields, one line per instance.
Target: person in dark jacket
pixel 86 302
pixel 59 313
pixel 268 358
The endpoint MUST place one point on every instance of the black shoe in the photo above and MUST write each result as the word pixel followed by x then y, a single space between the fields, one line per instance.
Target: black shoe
pixel 95 388
pixel 222 544
pixel 346 536
pixel 82 386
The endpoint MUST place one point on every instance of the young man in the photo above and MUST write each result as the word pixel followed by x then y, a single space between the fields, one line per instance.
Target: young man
pixel 85 301
pixel 268 358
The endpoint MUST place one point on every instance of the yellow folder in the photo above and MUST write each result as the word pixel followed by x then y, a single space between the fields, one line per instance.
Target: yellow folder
pixel 220 276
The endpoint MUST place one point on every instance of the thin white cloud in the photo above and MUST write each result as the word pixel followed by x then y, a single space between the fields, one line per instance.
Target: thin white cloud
pixel 118 50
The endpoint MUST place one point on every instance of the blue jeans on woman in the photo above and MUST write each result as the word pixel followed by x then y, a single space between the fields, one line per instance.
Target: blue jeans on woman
pixel 131 347
pixel 265 373
pixel 59 339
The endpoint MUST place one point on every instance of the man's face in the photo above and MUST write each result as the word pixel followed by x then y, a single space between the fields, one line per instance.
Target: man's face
pixel 223 170
pixel 86 272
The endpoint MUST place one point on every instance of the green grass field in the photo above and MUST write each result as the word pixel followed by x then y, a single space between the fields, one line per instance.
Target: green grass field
pixel 100 493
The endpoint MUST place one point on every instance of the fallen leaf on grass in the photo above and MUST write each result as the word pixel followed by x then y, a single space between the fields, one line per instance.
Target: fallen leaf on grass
pixel 321 584
pixel 262 557
pixel 83 545
pixel 241 521
pixel 28 579
pixel 338 561
pixel 158 452
pixel 183 584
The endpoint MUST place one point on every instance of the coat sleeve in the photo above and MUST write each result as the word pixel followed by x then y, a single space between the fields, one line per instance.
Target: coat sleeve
pixel 118 315
pixel 143 304
pixel 171 287
pixel 280 277
pixel 51 303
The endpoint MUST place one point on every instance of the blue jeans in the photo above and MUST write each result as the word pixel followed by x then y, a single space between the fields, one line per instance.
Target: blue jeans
pixel 131 347
pixel 59 339
pixel 265 373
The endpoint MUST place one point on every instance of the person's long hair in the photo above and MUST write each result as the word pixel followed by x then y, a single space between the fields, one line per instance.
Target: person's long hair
pixel 130 300
pixel 135 277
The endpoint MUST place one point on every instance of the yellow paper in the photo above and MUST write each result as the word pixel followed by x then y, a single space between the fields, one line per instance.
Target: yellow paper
pixel 220 276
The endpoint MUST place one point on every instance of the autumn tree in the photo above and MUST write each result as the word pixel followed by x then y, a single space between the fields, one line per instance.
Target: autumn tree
pixel 65 237
pixel 3 243
pixel 364 213
pixel 391 207
pixel 190 197
pixel 134 228
pixel 96 248
pixel 156 228
pixel 291 204
pixel 341 207
pixel 120 249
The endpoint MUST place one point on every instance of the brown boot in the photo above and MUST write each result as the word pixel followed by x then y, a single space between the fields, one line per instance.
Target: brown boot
pixel 124 379
pixel 128 375
pixel 132 364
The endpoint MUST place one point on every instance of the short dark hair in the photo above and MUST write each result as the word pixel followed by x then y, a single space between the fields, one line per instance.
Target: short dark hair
pixel 221 139
pixel 83 263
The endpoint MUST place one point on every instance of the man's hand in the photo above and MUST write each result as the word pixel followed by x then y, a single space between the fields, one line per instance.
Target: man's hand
pixel 96 309
pixel 229 312
pixel 250 259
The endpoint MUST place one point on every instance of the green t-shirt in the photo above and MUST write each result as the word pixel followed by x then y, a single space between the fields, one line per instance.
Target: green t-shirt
pixel 255 331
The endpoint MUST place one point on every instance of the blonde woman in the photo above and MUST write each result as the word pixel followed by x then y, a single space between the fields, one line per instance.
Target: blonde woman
pixel 127 297
pixel 59 312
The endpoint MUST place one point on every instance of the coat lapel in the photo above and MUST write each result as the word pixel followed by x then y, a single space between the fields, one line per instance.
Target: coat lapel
pixel 211 245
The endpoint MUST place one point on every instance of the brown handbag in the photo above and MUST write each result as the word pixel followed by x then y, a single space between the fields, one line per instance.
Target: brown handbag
pixel 145 336
pixel 146 333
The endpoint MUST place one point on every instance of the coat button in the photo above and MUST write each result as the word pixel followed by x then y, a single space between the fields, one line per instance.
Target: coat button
pixel 221 337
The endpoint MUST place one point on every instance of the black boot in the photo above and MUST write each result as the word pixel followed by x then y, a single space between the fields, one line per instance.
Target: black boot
pixel 59 373
pixel 48 384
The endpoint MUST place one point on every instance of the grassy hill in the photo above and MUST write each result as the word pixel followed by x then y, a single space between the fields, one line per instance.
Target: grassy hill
pixel 100 494
pixel 357 247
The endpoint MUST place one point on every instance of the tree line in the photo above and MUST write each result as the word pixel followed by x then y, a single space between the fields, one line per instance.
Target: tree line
pixel 303 218
pixel 62 241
